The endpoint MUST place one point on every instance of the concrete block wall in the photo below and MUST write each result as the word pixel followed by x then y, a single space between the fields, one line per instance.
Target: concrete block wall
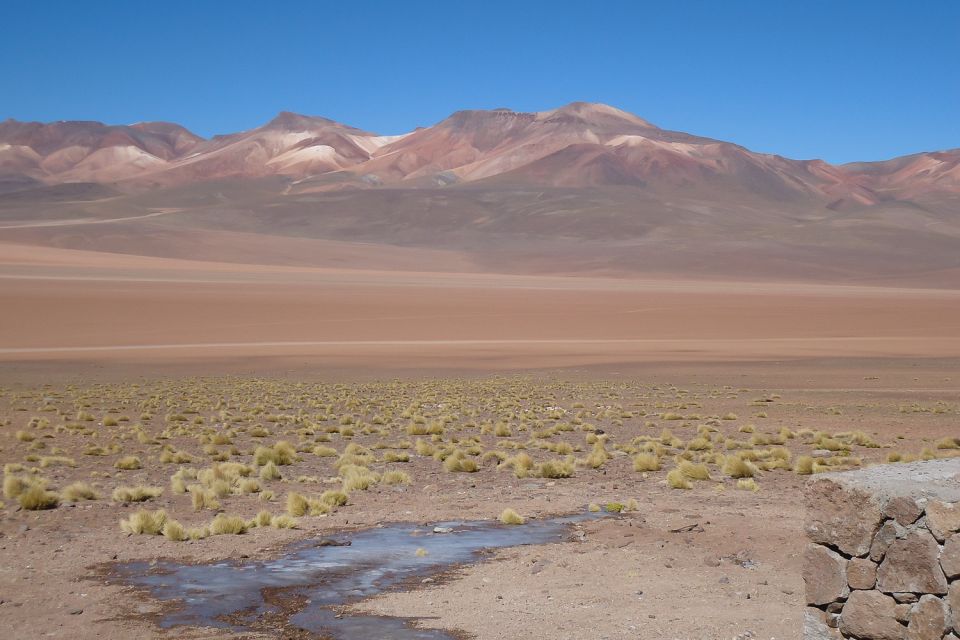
pixel 883 560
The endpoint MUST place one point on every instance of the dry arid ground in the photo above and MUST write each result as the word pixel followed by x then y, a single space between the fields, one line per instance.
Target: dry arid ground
pixel 543 394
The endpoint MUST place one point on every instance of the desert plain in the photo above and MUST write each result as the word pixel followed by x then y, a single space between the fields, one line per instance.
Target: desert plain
pixel 196 370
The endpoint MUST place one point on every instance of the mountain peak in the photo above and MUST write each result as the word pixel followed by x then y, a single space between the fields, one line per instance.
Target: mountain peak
pixel 596 112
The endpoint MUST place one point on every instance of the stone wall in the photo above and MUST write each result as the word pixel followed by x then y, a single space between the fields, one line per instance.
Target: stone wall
pixel 883 561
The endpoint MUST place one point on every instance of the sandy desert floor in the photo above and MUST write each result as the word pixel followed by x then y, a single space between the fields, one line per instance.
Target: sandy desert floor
pixel 189 364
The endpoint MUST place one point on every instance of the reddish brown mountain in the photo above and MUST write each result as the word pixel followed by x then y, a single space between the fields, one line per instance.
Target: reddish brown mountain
pixel 579 145
pixel 88 151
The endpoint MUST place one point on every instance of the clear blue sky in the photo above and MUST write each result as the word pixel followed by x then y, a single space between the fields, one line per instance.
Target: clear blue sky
pixel 841 80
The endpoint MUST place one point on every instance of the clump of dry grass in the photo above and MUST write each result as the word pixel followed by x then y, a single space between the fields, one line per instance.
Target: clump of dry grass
pixel 299 505
pixel 555 469
pixel 334 498
pixel 227 525
pixel 509 516
pixel 139 493
pixel 57 461
pixel 459 462
pixel 175 457
pixel 521 463
pixel 128 463
pixel 202 498
pixel 13 485
pixel 283 522
pixel 395 477
pixel 803 466
pixel 36 498
pixel 737 467
pixel 270 471
pixel 646 462
pixel 676 479
pixel 693 470
pixel 281 453
pixel 145 522
pixel 948 443
pixel 79 491
pixel 748 484
pixel 173 530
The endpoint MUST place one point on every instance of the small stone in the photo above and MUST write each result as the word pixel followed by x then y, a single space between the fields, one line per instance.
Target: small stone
pixel 76 612
pixel 902 612
pixel 907 598
pixel 928 620
pixel 815 626
pixel 953 598
pixel 825 575
pixel 861 573
pixel 889 532
pixel 943 519
pixel 871 614
pixel 443 529
pixel 912 564
pixel 950 557
pixel 711 561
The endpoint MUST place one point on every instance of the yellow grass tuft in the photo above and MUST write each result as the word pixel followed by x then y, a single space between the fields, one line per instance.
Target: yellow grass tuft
pixel 678 480
pixel 509 516
pixel 79 491
pixel 395 477
pixel 227 525
pixel 36 498
pixel 145 522
pixel 128 463
pixel 173 530
pixel 646 462
pixel 139 493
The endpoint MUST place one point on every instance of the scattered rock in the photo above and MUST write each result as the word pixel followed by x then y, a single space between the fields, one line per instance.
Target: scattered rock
pixel 911 564
pixel 815 627
pixel 330 542
pixel 861 573
pixel 443 529
pixel 903 509
pixel 953 598
pixel 825 575
pixel 950 558
pixel 75 612
pixel 943 519
pixel 870 614
pixel 842 517
pixel 928 620
pixel 889 532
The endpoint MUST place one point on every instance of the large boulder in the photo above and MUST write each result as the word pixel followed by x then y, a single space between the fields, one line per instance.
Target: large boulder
pixel 871 614
pixel 950 558
pixel 929 619
pixel 912 564
pixel 825 575
pixel 841 517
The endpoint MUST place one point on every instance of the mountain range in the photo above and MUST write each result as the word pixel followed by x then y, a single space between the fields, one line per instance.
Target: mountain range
pixel 606 188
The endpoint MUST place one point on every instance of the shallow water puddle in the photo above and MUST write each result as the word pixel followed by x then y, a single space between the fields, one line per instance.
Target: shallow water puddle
pixel 299 588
